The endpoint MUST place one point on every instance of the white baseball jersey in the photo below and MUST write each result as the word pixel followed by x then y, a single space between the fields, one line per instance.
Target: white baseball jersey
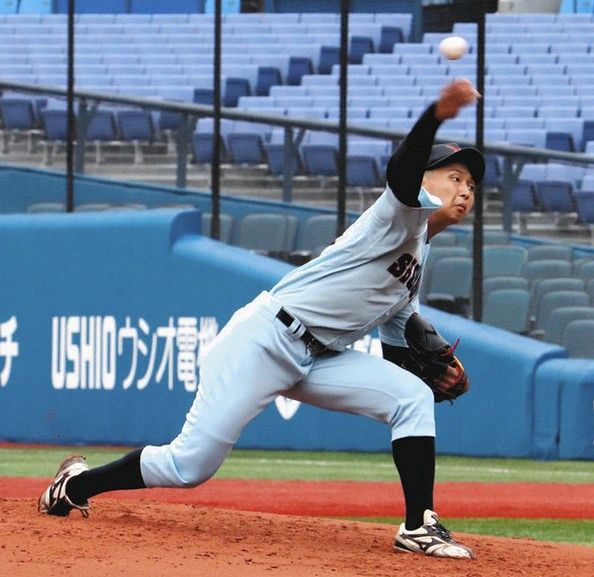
pixel 366 277
pixel 369 277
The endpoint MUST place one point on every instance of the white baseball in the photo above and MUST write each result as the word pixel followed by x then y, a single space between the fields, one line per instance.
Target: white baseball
pixel 453 47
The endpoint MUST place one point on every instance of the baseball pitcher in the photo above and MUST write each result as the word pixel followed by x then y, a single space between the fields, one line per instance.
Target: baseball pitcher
pixel 293 340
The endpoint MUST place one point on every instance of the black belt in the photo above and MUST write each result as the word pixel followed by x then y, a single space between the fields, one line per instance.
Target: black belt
pixel 314 346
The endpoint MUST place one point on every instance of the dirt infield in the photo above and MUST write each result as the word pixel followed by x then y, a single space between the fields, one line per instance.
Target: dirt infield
pixel 153 536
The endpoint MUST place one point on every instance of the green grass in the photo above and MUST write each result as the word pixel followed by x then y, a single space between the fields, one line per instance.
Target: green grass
pixel 43 461
pixel 576 531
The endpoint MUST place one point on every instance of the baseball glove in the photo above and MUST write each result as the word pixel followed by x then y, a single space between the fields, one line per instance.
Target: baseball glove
pixel 429 357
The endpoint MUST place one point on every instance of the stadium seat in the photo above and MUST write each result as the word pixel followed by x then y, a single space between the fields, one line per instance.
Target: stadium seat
pixel 444 238
pixel 450 285
pixel 548 251
pixel 490 237
pixel 389 36
pixel 586 271
pixel 267 76
pixel 298 66
pixel 202 148
pixel 559 140
pixel 362 171
pixel 547 285
pixel 436 254
pixel 18 117
pixel 588 133
pixel 320 159
pixel 507 309
pixel 55 132
pixel 235 88
pixel 245 143
pixel 584 201
pixel 270 234
pixel 359 46
pixel 46 207
pixel 317 233
pixel 577 338
pixel 275 157
pixel 329 56
pixel 137 127
pixel 503 282
pixel 226 226
pixel 503 260
pixel 560 317
pixel 493 172
pixel 537 270
pixel 204 96
pixel 523 197
pixel 555 196
pixel 102 128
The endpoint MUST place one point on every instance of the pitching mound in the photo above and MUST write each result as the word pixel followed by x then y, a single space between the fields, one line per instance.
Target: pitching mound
pixel 145 538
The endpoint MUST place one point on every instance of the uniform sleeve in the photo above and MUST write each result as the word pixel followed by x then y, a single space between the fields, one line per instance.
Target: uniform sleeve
pixel 406 166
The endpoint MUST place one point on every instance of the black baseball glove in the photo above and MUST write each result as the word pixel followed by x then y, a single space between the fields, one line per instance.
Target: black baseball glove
pixel 429 357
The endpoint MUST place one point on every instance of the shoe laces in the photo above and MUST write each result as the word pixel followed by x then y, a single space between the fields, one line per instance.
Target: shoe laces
pixel 441 531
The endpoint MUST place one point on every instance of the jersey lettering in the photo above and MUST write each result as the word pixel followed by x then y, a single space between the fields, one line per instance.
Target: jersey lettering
pixel 407 270
pixel 397 268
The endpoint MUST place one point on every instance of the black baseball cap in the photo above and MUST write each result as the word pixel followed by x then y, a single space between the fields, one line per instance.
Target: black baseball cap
pixel 444 154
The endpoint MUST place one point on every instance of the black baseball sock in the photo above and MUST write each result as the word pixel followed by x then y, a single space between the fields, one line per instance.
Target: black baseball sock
pixel 414 458
pixel 121 474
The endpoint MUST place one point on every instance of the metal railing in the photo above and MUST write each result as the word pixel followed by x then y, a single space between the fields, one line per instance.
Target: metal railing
pixel 514 157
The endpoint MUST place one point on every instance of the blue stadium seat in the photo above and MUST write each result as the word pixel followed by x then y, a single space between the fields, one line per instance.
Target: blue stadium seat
pixel 503 260
pixel 246 143
pixel 202 148
pixel 559 140
pixel 235 88
pixel 329 56
pixel 507 309
pixel 226 226
pixel 450 284
pixel 550 251
pixel 137 127
pixel 317 232
pixel 584 200
pixel 389 36
pixel 204 96
pixel 556 196
pixel 445 238
pixel 547 285
pixel 17 115
pixel 523 197
pixel 363 171
pixel 503 282
pixel 493 171
pixel 275 157
pixel 359 46
pixel 55 132
pixel 588 133
pixel 560 317
pixel 570 125
pixel 270 234
pixel 577 338
pixel 267 76
pixel 298 66
pixel 319 159
pixel 537 270
pixel 490 237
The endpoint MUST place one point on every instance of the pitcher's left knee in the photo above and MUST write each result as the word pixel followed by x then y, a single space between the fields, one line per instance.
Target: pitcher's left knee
pixel 415 414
